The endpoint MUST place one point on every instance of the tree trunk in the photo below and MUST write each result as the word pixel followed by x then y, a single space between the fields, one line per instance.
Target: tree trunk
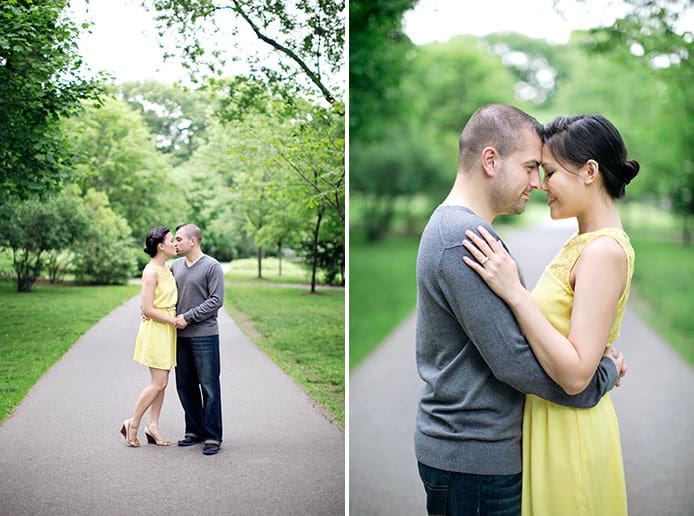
pixel 260 263
pixel 279 255
pixel 314 264
pixel 686 233
pixel 26 271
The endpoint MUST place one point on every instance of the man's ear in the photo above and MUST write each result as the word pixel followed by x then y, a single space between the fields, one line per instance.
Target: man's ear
pixel 490 159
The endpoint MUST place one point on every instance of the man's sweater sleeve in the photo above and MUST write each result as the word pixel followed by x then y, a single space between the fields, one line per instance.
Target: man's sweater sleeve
pixel 214 277
pixel 492 328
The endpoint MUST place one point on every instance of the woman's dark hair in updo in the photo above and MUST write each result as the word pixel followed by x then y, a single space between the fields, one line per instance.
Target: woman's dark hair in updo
pixel 155 236
pixel 577 139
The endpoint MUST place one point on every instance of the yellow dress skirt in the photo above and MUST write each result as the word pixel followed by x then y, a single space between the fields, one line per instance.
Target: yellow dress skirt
pixel 156 341
pixel 572 458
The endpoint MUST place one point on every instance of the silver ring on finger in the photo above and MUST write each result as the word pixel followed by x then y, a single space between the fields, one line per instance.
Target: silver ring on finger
pixel 486 259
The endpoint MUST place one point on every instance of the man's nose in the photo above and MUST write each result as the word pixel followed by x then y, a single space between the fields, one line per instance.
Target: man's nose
pixel 534 180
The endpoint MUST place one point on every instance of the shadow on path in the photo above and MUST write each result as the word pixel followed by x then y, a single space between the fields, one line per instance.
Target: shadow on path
pixel 655 407
pixel 61 453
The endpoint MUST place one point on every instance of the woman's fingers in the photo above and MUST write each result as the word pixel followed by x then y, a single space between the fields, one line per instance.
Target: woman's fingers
pixel 473 265
pixel 494 243
pixel 474 251
pixel 481 244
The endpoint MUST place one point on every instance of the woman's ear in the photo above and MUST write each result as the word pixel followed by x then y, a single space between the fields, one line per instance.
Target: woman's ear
pixel 489 158
pixel 592 169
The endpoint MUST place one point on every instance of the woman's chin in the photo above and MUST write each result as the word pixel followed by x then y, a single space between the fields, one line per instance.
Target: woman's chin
pixel 555 215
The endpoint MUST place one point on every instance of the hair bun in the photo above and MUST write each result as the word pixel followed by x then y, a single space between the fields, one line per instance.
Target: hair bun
pixel 631 168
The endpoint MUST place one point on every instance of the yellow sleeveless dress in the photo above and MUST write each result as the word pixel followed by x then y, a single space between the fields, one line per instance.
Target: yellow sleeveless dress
pixel 156 341
pixel 572 458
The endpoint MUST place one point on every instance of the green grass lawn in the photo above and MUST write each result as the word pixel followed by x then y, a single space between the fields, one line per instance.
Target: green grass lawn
pixel 664 281
pixel 382 291
pixel 246 270
pixel 37 328
pixel 304 334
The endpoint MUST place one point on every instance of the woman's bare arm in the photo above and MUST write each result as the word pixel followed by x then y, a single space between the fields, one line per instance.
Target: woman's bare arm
pixel 599 280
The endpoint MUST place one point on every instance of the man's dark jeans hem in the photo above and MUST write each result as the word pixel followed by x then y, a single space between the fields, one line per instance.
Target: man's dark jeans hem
pixel 452 493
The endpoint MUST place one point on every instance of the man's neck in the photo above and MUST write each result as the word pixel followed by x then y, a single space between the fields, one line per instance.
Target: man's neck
pixel 466 192
pixel 193 256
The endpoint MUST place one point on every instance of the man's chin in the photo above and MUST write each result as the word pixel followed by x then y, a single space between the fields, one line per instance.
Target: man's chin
pixel 518 209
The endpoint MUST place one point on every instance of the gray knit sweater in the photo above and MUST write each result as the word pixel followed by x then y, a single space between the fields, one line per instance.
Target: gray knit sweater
pixel 200 295
pixel 474 360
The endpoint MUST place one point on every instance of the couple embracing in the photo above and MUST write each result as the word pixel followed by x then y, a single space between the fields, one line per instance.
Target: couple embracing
pixel 179 329
pixel 514 416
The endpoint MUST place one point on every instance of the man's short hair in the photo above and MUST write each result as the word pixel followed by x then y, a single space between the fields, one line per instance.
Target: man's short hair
pixel 191 231
pixel 494 125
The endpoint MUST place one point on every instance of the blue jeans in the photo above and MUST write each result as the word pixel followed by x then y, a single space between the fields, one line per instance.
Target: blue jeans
pixel 197 383
pixel 460 494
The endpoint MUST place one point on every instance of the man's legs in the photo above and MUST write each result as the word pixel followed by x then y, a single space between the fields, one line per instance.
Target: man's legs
pixel 188 388
pixel 206 351
pixel 461 494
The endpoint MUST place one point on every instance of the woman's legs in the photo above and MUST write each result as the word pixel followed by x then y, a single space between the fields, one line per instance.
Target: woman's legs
pixel 151 396
pixel 154 411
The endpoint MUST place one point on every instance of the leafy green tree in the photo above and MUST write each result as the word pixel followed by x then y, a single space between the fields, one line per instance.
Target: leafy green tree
pixel 289 164
pixel 117 155
pixel 307 38
pixel 324 248
pixel 306 138
pixel 313 151
pixel 32 229
pixel 203 196
pixel 39 84
pixel 176 116
pixel 648 34
pixel 105 254
pixel 59 264
pixel 378 57
pixel 256 178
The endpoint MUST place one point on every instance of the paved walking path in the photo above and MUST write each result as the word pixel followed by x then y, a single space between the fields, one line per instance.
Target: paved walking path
pixel 655 407
pixel 61 453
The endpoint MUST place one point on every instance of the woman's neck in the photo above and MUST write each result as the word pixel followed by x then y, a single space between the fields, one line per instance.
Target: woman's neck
pixel 602 214
pixel 159 259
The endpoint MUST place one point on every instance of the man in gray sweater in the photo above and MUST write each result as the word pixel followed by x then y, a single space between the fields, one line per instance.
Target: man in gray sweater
pixel 471 354
pixel 200 282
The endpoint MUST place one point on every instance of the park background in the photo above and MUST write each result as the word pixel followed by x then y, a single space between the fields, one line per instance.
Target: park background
pixel 409 102
pixel 414 82
pixel 88 163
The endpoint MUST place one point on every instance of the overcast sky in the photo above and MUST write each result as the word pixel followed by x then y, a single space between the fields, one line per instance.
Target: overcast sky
pixel 124 38
pixel 124 41
pixel 439 20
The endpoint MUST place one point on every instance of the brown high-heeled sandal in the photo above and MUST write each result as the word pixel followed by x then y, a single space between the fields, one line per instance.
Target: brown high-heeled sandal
pixel 125 430
pixel 151 439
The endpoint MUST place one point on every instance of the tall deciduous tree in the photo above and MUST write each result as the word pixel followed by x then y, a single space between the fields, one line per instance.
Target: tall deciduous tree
pixel 303 166
pixel 307 36
pixel 378 55
pixel 39 84
pixel 176 116
pixel 117 155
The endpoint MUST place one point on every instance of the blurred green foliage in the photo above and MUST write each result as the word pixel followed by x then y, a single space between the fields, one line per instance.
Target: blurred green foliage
pixel 403 144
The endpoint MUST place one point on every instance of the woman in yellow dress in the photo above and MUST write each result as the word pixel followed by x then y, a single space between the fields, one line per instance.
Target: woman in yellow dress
pixel 155 346
pixel 572 460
